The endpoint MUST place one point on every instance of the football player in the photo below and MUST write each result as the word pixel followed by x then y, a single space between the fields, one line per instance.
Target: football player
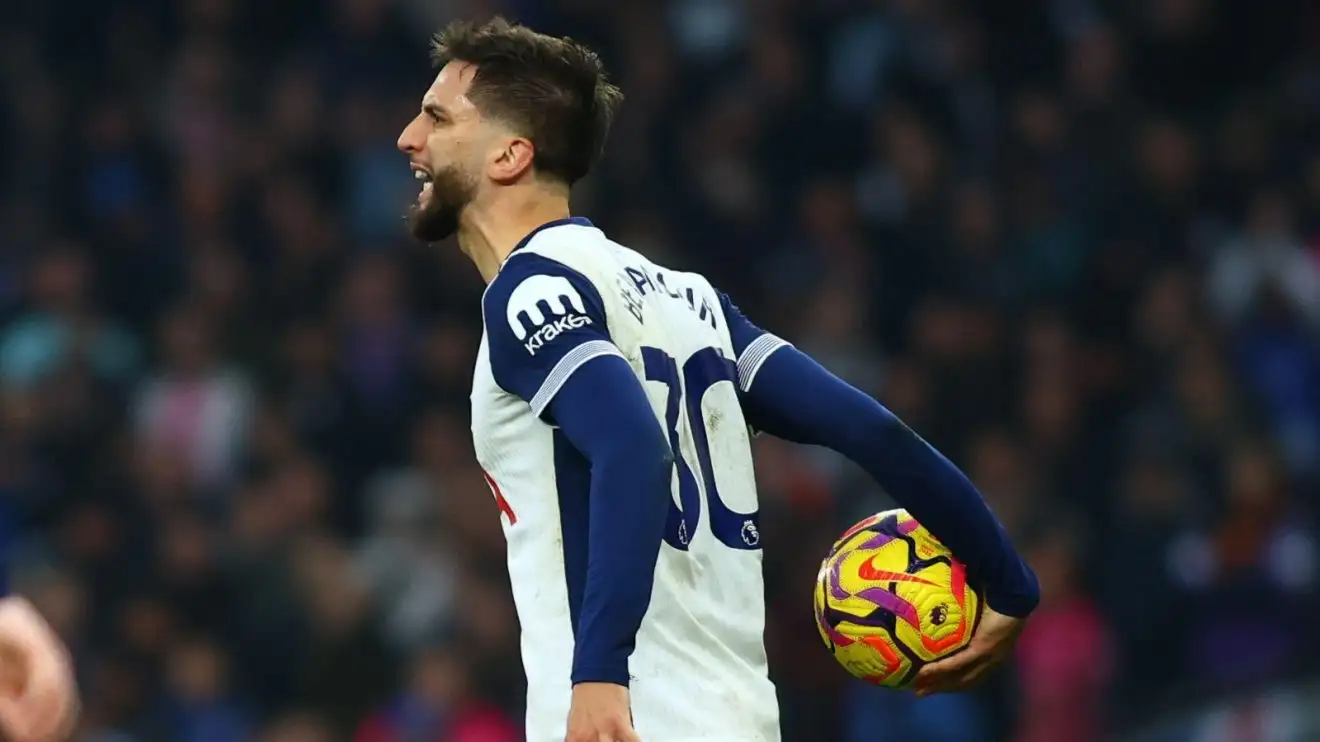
pixel 612 404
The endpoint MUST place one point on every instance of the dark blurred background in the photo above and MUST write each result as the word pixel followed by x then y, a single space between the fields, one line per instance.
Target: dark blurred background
pixel 1076 243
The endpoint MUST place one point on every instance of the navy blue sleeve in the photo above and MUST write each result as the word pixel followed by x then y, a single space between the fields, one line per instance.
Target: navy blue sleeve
pixel 797 399
pixel 751 345
pixel 604 411
pixel 549 344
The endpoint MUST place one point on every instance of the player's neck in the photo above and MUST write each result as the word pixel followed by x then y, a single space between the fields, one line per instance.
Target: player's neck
pixel 489 232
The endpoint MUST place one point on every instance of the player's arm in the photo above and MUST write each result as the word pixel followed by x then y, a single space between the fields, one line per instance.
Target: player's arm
pixel 579 381
pixel 788 394
pixel 603 410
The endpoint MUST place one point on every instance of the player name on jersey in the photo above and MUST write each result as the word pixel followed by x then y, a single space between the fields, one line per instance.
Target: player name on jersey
pixel 647 281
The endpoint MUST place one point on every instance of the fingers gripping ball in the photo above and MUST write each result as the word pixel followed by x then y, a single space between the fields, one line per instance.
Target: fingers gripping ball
pixel 890 598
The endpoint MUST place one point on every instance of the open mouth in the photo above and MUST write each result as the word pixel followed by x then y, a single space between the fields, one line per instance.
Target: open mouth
pixel 425 178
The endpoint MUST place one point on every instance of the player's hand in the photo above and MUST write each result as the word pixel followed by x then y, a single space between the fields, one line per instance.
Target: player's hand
pixel 601 712
pixel 991 644
pixel 38 696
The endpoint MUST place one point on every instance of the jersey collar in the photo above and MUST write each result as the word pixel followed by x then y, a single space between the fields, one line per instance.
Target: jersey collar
pixel 580 221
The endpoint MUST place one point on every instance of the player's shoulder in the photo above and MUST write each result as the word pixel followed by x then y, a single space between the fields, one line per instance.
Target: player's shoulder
pixel 565 257
pixel 541 292
pixel 570 264
pixel 573 242
pixel 545 262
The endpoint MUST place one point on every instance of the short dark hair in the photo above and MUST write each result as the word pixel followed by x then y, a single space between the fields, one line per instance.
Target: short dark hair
pixel 552 90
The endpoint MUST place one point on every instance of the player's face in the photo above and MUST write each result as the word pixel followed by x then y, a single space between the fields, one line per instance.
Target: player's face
pixel 444 143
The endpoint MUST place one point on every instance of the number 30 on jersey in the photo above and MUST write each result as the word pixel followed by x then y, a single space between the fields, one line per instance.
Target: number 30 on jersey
pixel 688 387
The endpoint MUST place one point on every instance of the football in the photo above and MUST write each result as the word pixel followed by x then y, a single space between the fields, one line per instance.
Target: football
pixel 890 598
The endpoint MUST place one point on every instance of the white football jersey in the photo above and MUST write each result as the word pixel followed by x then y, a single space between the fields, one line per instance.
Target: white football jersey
pixel 568 295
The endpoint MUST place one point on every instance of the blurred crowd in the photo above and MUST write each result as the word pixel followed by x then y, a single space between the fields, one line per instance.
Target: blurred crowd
pixel 1075 243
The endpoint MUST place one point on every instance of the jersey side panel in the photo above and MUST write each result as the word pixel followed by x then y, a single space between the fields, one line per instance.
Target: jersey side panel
pixel 539 498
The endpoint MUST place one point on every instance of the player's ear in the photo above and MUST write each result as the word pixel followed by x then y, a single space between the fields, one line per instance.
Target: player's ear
pixel 512 159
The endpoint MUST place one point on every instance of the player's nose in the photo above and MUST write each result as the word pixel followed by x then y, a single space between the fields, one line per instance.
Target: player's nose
pixel 412 138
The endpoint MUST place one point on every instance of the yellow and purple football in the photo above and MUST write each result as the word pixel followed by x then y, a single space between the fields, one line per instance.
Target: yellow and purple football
pixel 890 598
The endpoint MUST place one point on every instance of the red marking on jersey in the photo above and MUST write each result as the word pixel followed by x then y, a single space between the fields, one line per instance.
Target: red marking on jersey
pixel 502 503
pixel 868 571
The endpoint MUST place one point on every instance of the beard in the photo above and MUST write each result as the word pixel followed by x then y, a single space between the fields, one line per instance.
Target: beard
pixel 435 216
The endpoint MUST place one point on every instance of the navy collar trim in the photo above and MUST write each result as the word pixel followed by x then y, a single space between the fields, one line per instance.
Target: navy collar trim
pixel 580 221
